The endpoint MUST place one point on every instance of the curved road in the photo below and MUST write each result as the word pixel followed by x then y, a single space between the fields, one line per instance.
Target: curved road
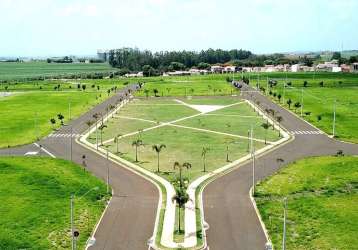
pixel 228 210
pixel 129 220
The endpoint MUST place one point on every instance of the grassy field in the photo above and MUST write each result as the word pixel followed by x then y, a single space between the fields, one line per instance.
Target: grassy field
pixel 19 71
pixel 318 103
pixel 183 144
pixel 211 85
pixel 35 205
pixel 322 203
pixel 25 116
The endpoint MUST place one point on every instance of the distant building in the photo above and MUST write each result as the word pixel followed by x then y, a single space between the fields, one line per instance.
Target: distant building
pixel 295 68
pixel 355 67
pixel 229 69
pixel 345 68
pixel 103 54
pixel 216 69
pixel 331 66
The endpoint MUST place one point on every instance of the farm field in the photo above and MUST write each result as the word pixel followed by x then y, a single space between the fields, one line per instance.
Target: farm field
pixel 25 116
pixel 318 103
pixel 322 210
pixel 173 123
pixel 36 201
pixel 21 71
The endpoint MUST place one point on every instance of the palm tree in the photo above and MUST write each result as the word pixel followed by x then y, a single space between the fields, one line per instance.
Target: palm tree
pixel 186 165
pixel 53 122
pixel 116 140
pixel 203 154
pixel 146 91
pixel 279 119
pixel 60 117
pixel 181 198
pixel 265 126
pixel 289 102
pixel 103 126
pixel 158 148
pixel 137 143
pixel 89 123
pixel 297 105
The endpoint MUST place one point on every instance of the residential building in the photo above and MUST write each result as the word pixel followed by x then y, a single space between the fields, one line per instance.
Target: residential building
pixel 355 67
pixel 217 69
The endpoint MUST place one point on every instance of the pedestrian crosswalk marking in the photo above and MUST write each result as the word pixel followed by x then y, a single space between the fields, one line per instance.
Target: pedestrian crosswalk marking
pixel 63 135
pixel 306 132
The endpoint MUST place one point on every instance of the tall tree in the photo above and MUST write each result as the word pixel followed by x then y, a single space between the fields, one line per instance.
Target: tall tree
pixel 158 148
pixel 185 165
pixel 203 155
pixel 137 143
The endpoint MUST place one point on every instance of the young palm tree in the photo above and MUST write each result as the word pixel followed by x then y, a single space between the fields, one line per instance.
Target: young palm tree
pixel 158 148
pixel 265 126
pixel 89 123
pixel 279 119
pixel 137 143
pixel 116 141
pixel 181 198
pixel 186 165
pixel 53 122
pixel 103 126
pixel 203 154
pixel 60 117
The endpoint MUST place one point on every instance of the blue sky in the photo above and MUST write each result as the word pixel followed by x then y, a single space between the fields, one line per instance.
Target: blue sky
pixel 60 27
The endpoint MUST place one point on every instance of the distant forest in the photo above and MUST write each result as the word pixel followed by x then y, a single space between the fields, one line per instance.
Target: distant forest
pixel 135 60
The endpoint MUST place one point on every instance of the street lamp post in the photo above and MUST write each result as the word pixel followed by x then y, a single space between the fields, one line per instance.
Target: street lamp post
pixel 334 119
pixel 284 224
pixel 301 102
pixel 75 234
pixel 253 161
pixel 107 172
pixel 72 226
pixel 71 141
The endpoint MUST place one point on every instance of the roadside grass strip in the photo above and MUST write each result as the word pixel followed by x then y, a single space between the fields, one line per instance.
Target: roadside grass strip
pixel 184 144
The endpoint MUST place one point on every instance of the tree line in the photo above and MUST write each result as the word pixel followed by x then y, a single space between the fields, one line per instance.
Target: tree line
pixel 134 59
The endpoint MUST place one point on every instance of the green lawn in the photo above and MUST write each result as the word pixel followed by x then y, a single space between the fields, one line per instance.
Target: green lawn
pixel 319 101
pixel 322 203
pixel 212 85
pixel 25 116
pixel 19 71
pixel 183 144
pixel 35 206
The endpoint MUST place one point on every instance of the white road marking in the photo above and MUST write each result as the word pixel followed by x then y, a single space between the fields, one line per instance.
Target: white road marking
pixel 32 153
pixel 45 150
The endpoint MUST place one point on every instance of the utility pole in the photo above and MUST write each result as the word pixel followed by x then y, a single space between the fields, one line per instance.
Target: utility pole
pixel 71 141
pixel 72 229
pixel 301 102
pixel 97 135
pixel 36 126
pixel 253 162
pixel 334 119
pixel 107 172
pixel 284 90
pixel 284 224
pixel 69 109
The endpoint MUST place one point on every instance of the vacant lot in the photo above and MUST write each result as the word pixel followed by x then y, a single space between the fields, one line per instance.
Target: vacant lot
pixel 36 202
pixel 322 203
pixel 318 104
pixel 25 116
pixel 185 131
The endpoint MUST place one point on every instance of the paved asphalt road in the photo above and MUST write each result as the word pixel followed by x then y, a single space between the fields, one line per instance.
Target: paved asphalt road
pixel 227 206
pixel 129 220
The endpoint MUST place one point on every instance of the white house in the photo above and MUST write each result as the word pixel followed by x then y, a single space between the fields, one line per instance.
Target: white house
pixel 295 68
pixel 228 69
pixel 216 69
pixel 355 67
